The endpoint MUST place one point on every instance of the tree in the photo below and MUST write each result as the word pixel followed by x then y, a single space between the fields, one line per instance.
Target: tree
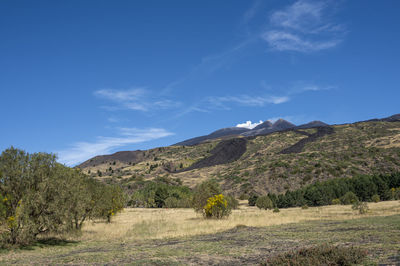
pixel 27 184
pixel 39 195
pixel 111 202
pixel 203 192
pixel 264 202
pixel 349 198
pixel 252 199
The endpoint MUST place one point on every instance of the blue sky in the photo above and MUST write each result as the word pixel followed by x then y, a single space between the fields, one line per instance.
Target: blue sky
pixel 84 78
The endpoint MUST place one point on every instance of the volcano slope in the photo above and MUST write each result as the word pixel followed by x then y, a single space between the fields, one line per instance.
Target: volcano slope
pixel 274 162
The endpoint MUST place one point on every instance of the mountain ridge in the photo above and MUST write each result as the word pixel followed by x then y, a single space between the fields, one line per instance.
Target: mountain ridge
pixel 132 156
pixel 264 128
pixel 272 162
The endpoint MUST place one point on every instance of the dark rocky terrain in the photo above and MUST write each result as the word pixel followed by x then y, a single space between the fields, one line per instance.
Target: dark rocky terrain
pixel 226 151
pixel 121 156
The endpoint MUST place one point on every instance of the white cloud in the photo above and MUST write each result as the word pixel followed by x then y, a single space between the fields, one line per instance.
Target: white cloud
pixel 246 100
pixel 303 27
pixel 113 120
pixel 138 99
pixel 81 151
pixel 249 124
pixel 315 88
pixel 283 41
pixel 121 95
pixel 302 15
pixel 302 87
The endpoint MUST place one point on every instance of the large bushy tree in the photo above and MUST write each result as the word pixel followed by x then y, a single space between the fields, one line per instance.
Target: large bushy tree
pixel 39 195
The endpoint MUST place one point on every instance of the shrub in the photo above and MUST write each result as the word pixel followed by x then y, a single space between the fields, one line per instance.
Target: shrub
pixel 349 198
pixel 232 202
pixel 203 192
pixel 171 202
pixel 320 255
pixel 243 196
pixel 376 198
pixel 304 207
pixel 216 207
pixel 362 207
pixel 276 210
pixel 252 200
pixel 335 201
pixel 264 202
pixel 395 193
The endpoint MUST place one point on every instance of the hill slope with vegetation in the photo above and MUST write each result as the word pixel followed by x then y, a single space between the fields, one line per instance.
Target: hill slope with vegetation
pixel 271 163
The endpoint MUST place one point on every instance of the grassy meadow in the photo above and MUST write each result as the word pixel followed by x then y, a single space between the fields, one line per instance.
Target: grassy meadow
pixel 248 236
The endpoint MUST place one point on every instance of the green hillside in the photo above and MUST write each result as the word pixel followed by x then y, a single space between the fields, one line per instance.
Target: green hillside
pixel 272 163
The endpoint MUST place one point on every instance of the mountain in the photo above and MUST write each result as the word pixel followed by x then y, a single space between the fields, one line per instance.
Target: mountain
pixel 267 127
pixel 282 124
pixel 121 156
pixel 312 124
pixel 264 128
pixel 224 132
pixel 274 162
pixel 266 124
pixel 392 118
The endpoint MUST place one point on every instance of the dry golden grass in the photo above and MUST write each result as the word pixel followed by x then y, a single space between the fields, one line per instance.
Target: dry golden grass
pixel 385 142
pixel 141 224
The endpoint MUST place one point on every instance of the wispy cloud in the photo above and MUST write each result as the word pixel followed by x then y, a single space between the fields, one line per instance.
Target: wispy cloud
pixel 303 27
pixel 113 120
pixel 283 41
pixel 315 88
pixel 138 99
pixel 215 103
pixel 252 11
pixel 81 151
pixel 249 124
pixel 303 87
pixel 303 15
pixel 224 102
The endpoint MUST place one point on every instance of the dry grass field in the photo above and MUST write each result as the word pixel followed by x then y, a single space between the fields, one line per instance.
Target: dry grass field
pixel 248 236
pixel 142 224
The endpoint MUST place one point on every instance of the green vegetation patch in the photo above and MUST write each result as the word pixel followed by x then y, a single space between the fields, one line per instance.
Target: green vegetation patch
pixel 319 255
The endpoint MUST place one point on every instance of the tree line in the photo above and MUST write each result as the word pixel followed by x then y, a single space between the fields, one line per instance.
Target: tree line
pixel 39 195
pixel 167 193
pixel 339 190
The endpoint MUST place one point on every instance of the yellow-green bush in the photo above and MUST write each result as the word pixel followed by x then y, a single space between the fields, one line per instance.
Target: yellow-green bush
pixel 216 207
pixel 376 198
pixel 336 202
pixel 395 193
pixel 264 202
pixel 349 198
pixel 361 207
